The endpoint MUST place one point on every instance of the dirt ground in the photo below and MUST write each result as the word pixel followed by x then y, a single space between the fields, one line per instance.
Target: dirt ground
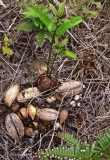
pixel 91 42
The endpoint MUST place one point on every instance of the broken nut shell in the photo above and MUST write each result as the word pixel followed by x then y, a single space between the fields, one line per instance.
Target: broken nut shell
pixel 68 89
pixel 28 94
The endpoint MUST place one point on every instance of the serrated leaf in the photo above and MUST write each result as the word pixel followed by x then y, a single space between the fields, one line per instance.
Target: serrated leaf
pixel 38 23
pixel 67 25
pixel 68 53
pixel 53 9
pixel 33 12
pixel 47 36
pixel 40 37
pixel 63 43
pixel 7 50
pixel 26 26
pixel 61 9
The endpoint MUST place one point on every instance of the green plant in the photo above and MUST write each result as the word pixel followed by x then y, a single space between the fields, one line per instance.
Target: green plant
pixel 49 23
pixel 75 149
pixel 108 1
pixel 6 48
pixel 85 8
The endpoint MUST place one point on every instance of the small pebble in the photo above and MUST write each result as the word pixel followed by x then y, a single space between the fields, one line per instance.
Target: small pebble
pixel 73 104
pixel 84 86
pixel 77 97
pixel 78 104
pixel 51 99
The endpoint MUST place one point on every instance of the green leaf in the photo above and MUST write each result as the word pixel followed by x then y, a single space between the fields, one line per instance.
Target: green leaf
pixel 98 4
pixel 61 9
pixel 33 12
pixel 103 142
pixel 40 37
pixel 26 26
pixel 102 158
pixel 7 50
pixel 74 149
pixel 53 9
pixel 63 43
pixel 38 23
pixel 56 41
pixel 68 53
pixel 67 25
pixel 7 41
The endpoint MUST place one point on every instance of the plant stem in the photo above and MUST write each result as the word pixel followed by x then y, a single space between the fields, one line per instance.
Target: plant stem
pixel 55 55
pixel 50 53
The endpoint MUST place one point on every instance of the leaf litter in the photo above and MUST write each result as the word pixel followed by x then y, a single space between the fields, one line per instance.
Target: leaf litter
pixel 92 68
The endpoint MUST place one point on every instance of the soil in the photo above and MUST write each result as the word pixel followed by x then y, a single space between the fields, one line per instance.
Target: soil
pixel 91 42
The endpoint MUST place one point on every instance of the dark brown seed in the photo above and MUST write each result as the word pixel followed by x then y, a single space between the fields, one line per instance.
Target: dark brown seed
pixel 45 83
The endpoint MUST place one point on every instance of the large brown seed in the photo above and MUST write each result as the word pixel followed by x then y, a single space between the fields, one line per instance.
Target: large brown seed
pixel 28 94
pixel 68 89
pixel 47 114
pixel 14 126
pixel 45 83
pixel 10 94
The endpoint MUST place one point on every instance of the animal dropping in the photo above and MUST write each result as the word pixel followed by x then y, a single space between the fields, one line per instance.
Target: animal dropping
pixel 28 94
pixel 14 126
pixel 11 94
pixel 68 89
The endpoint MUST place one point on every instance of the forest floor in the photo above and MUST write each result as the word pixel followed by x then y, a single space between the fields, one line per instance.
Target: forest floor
pixel 91 43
